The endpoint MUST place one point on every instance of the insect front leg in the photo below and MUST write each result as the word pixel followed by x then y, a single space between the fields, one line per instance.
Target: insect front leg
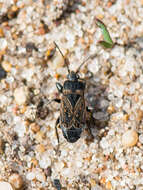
pixel 54 100
pixel 57 135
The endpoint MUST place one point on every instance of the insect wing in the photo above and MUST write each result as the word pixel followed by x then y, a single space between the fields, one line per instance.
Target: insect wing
pixel 66 111
pixel 79 111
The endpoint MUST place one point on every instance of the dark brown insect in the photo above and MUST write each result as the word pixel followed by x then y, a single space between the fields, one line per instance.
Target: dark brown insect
pixel 74 115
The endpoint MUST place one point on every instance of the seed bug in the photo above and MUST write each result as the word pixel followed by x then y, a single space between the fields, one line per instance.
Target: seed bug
pixel 74 115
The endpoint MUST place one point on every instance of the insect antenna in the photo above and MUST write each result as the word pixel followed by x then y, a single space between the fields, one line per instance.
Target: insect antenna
pixel 66 61
pixel 90 57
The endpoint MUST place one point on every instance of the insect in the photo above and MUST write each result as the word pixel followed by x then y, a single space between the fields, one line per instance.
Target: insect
pixel 74 115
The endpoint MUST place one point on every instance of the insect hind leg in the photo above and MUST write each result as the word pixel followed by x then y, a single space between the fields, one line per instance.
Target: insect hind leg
pixel 56 125
pixel 90 123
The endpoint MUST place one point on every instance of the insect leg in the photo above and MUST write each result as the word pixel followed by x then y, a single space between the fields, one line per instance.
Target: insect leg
pixel 90 121
pixel 89 118
pixel 55 100
pixel 57 123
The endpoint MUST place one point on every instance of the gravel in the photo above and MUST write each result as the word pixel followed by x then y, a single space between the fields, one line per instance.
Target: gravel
pixel 30 67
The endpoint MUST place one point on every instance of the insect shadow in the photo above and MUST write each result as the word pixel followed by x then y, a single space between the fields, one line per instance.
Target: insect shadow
pixel 96 97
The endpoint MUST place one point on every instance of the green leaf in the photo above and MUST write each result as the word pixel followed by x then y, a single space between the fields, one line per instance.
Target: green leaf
pixel 107 43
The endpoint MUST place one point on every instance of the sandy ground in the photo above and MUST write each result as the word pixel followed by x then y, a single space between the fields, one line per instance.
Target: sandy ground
pixel 112 158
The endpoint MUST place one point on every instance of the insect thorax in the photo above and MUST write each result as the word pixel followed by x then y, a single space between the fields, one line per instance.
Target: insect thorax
pixel 74 86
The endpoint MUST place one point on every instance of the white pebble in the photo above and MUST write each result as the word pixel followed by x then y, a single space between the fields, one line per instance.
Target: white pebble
pixel 79 164
pixel 28 74
pixel 5 186
pixel 20 95
pixel 64 153
pixel 68 172
pixel 30 176
pixel 104 143
pixel 94 66
pixel 129 138
pixel 20 129
pixel 3 43
pixel 58 61
pixel 45 162
pixel 97 187
pixel 40 176
pixel 141 138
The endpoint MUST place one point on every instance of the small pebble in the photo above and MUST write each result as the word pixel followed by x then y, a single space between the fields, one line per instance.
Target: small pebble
pixel 111 109
pixel 5 186
pixel 92 182
pixel 40 136
pixel 34 162
pixel 97 187
pixel 30 176
pixel 129 138
pixel 50 52
pixel 1 33
pixel 94 66
pixel 3 43
pixel 103 180
pixel 108 185
pixel 79 164
pixel 41 30
pixel 21 95
pixel 16 180
pixel 40 148
pixel 58 61
pixel 141 138
pixel 40 176
pixel 7 66
pixel 31 46
pixel 23 109
pixel 34 127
